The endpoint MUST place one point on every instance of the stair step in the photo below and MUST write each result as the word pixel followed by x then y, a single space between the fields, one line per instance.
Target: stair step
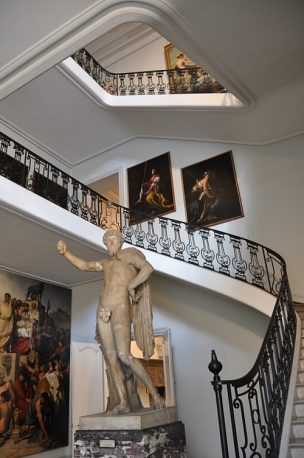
pixel 297 430
pixel 296 448
pixel 299 394
pixel 301 376
pixel 298 409
pixel 298 420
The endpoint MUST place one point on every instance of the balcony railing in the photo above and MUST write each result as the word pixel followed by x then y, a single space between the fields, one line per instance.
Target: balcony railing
pixel 153 82
pixel 255 404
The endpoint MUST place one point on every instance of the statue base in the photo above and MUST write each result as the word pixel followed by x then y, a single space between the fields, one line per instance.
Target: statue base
pixel 143 433
pixel 140 419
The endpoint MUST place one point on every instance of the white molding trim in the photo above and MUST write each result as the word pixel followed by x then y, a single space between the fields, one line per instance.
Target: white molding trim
pixel 101 17
pixel 183 139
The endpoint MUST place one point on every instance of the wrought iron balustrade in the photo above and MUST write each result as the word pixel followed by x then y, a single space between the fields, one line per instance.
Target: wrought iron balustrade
pixel 152 82
pixel 254 404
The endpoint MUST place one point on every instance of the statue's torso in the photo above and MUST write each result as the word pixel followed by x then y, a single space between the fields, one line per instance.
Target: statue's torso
pixel 118 273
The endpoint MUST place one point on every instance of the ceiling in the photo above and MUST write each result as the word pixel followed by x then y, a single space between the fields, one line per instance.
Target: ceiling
pixel 254 48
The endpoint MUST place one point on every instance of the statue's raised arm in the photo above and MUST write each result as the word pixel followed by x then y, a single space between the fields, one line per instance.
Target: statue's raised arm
pixel 92 266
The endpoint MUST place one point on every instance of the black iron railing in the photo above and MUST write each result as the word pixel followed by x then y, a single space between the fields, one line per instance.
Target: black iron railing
pixel 254 404
pixel 153 82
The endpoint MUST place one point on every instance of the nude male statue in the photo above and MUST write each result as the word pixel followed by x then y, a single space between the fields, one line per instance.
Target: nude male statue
pixel 124 274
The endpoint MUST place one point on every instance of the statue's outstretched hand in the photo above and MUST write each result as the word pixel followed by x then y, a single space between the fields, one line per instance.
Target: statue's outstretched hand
pixel 61 247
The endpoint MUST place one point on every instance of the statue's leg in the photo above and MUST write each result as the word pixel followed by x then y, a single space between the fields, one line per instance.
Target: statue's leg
pixel 121 325
pixel 117 373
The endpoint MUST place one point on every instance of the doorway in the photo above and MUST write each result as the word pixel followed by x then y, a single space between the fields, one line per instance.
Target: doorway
pixel 107 187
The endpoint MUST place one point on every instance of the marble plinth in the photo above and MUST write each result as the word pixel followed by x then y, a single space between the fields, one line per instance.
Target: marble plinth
pixel 145 418
pixel 160 441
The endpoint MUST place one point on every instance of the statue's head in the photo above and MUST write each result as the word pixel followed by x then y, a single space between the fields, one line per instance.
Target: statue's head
pixel 113 240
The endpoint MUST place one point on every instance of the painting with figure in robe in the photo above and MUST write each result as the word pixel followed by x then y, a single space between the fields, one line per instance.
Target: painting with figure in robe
pixel 35 324
pixel 211 191
pixel 150 189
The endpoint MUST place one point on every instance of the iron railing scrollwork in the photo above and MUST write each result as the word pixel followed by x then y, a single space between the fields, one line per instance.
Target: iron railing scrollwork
pixel 255 404
pixel 189 80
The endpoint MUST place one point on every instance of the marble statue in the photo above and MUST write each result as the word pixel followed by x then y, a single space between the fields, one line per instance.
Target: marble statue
pixel 123 298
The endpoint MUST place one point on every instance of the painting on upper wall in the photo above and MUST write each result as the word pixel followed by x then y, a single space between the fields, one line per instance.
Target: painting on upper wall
pixel 150 189
pixel 35 327
pixel 187 76
pixel 211 191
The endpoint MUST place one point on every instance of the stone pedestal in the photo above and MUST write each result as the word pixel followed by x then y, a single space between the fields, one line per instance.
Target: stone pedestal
pixel 147 433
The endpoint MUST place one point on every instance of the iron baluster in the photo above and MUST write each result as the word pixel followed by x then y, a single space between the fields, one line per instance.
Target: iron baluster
pixel 215 367
pixel 178 245
pixel 151 237
pixel 161 86
pixel 75 204
pixel 131 87
pixel 238 263
pixel 221 256
pixel 140 85
pixel 5 143
pixel 164 240
pixel 122 90
pixel 191 248
pixel 139 235
pixel 127 230
pixel 103 214
pixel 55 174
pixel 84 208
pixel 233 423
pixel 150 85
pixel 255 268
pixel 95 71
pixel 93 209
pixel 207 254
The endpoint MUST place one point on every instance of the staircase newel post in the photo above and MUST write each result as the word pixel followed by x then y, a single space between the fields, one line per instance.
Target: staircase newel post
pixel 215 367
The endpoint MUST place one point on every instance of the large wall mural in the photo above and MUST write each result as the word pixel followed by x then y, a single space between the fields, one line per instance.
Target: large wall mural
pixel 35 322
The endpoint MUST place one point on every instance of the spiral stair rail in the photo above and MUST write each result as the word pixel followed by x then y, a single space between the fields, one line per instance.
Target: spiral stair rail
pixel 152 82
pixel 253 405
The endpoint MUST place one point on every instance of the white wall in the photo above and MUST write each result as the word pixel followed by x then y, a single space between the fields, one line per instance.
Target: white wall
pixel 150 57
pixel 199 322
pixel 271 182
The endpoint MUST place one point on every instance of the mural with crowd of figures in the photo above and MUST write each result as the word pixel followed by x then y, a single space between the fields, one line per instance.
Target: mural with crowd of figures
pixel 35 323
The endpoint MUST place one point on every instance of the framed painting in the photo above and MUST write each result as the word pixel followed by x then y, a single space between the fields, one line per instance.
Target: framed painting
pixel 211 191
pixel 150 188
pixel 187 76
pixel 34 366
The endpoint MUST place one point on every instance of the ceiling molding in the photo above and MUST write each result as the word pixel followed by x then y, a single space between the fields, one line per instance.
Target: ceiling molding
pixel 204 140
